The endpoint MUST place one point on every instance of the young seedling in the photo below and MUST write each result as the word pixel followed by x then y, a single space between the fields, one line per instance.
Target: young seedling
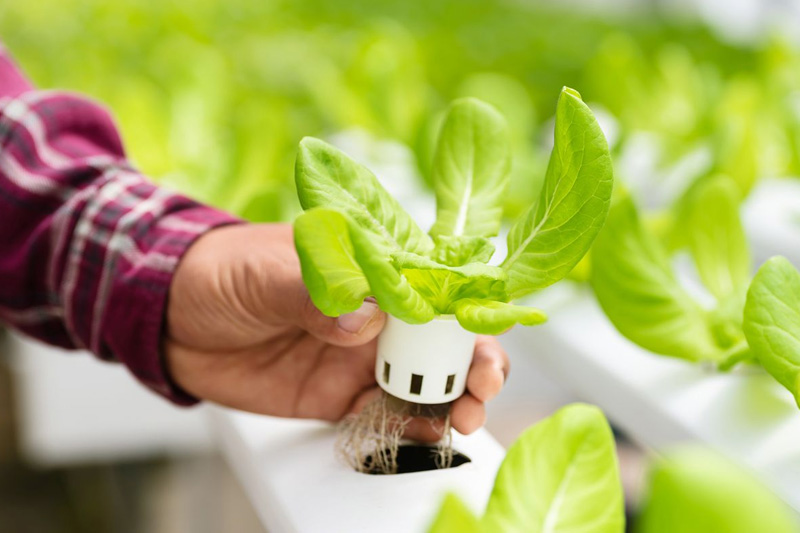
pixel 640 292
pixel 355 241
pixel 559 475
pixel 772 321
pixel 693 490
pixel 562 475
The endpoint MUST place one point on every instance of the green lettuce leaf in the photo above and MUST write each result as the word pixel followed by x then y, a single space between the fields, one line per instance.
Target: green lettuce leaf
pixel 697 491
pixel 470 170
pixel 716 237
pixel 442 287
pixel 560 475
pixel 391 289
pixel 490 317
pixel 441 284
pixel 454 517
pixel 726 319
pixel 772 321
pixel 737 139
pixel 334 279
pixel 462 249
pixel 550 239
pixel 349 249
pixel 327 177
pixel 356 240
pixel 637 289
pixel 406 260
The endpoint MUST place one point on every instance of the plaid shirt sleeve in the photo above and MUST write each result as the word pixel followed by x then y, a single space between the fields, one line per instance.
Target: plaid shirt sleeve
pixel 88 246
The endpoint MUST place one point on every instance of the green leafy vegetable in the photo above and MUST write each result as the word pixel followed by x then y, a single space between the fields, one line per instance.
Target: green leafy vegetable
pixel 716 238
pixel 638 291
pixel 338 267
pixel 326 177
pixel 489 317
pixel 442 285
pixel 461 250
pixel 550 239
pixel 470 170
pixel 560 475
pixel 256 77
pixel 334 279
pixel 390 287
pixel 696 491
pixel 355 240
pixel 772 321
pixel 454 517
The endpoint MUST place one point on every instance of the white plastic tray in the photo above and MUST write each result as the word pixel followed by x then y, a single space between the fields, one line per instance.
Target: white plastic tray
pixel 73 409
pixel 296 484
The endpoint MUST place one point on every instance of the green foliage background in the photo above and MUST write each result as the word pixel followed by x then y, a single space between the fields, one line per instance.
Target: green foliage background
pixel 213 96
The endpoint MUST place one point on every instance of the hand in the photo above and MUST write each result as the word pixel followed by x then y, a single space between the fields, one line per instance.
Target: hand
pixel 242 332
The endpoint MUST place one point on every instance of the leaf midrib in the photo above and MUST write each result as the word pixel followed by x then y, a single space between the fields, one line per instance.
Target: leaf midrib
pixel 550 520
pixel 552 203
pixel 463 208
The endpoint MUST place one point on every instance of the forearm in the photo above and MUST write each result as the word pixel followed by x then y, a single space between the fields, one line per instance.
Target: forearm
pixel 88 246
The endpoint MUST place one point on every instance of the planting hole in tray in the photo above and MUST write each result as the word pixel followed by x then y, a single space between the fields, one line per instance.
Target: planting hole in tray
pixel 420 458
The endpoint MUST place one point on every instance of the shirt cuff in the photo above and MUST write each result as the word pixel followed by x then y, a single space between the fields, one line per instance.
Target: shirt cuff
pixel 135 320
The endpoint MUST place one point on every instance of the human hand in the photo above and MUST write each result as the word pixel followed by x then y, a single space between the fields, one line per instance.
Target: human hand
pixel 242 332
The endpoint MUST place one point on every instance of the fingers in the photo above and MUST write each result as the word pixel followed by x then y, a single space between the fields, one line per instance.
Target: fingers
pixel 271 286
pixel 489 369
pixel 468 414
pixel 351 329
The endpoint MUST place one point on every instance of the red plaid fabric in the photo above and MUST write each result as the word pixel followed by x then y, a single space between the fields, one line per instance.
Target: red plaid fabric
pixel 88 246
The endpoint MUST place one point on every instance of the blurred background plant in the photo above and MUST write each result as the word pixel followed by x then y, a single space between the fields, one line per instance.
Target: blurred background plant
pixel 214 99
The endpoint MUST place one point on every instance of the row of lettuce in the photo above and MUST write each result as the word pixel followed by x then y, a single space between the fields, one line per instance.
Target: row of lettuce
pixel 214 99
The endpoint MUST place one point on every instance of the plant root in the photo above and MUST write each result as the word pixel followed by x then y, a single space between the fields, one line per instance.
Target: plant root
pixel 370 440
pixel 444 448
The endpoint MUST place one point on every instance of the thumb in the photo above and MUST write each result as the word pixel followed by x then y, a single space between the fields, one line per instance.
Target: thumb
pixel 351 329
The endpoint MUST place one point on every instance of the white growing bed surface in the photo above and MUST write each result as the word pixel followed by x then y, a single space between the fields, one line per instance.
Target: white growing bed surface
pixel 296 484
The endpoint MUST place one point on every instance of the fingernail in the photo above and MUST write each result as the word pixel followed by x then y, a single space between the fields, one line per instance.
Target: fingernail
pixel 356 321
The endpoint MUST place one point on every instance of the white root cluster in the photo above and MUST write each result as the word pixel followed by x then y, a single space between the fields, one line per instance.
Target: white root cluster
pixel 370 440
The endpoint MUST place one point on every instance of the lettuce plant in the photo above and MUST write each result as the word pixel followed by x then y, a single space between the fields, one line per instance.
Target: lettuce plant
pixel 640 292
pixel 772 321
pixel 354 240
pixel 692 490
pixel 562 475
